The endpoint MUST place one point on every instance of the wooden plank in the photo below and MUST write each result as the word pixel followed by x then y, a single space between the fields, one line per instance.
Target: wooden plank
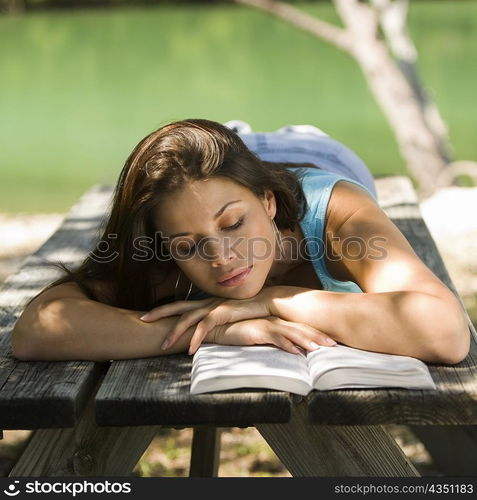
pixel 43 394
pixel 393 406
pixel 395 190
pixel 47 395
pixel 335 451
pixel 205 454
pixel 156 391
pixel 86 450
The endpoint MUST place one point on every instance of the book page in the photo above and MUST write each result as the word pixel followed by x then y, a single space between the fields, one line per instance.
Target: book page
pixel 346 367
pixel 222 367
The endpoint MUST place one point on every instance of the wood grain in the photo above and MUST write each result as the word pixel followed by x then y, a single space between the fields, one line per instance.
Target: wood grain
pixel 155 391
pixel 331 450
pixel 84 450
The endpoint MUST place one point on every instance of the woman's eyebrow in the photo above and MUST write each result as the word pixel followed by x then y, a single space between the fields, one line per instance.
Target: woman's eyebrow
pixel 218 214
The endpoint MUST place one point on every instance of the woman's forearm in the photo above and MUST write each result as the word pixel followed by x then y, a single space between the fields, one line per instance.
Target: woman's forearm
pixel 83 329
pixel 405 322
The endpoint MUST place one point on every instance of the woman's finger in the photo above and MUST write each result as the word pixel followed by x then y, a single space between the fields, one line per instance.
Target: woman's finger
pixel 203 328
pixel 183 323
pixel 221 315
pixel 303 335
pixel 174 308
pixel 314 337
pixel 283 343
pixel 290 335
pixel 229 312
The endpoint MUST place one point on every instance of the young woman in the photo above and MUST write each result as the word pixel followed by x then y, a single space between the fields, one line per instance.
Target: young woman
pixel 270 238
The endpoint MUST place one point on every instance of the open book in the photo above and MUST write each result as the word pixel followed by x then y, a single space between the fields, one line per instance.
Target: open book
pixel 222 367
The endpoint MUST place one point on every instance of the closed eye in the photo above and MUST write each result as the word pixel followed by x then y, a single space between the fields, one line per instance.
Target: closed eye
pixel 235 226
pixel 189 251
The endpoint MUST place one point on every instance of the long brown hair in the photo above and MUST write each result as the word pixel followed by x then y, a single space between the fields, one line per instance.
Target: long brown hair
pixel 163 162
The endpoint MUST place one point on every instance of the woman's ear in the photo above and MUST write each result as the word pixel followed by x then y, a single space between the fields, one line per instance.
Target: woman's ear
pixel 269 203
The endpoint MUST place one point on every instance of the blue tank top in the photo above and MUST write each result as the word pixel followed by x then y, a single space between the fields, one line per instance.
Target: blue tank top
pixel 317 186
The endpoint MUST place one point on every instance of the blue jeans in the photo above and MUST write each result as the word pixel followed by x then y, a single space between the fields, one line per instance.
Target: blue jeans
pixel 305 144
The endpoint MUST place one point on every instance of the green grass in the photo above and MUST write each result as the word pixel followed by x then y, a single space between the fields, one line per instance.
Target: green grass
pixel 79 89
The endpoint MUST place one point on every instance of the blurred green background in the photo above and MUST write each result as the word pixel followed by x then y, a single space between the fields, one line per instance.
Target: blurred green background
pixel 79 88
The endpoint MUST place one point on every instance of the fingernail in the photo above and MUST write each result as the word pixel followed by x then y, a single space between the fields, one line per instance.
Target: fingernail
pixel 165 345
pixel 296 350
pixel 314 345
pixel 143 317
pixel 330 342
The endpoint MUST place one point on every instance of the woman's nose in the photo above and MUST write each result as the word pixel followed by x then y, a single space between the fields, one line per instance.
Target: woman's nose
pixel 219 252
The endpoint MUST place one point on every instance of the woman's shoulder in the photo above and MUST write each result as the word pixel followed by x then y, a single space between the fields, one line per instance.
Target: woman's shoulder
pixel 345 200
pixel 316 185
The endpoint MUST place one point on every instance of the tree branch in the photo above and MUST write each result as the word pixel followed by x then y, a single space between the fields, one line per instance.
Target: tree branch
pixel 393 16
pixel 360 19
pixel 321 29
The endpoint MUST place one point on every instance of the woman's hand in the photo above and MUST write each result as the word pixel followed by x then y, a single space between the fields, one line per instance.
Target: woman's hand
pixel 209 313
pixel 286 335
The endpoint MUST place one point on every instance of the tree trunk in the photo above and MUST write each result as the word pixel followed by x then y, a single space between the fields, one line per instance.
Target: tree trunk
pixel 393 21
pixel 395 95
pixel 420 132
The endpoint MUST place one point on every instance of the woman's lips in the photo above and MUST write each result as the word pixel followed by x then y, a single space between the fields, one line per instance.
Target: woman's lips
pixel 236 280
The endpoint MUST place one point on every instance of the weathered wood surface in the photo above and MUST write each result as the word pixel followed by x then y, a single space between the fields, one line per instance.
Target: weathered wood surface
pixel 205 453
pixel 455 401
pixel 153 391
pixel 85 450
pixel 43 394
pixel 335 451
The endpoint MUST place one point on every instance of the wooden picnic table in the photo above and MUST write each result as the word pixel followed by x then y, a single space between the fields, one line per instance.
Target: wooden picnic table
pixel 97 419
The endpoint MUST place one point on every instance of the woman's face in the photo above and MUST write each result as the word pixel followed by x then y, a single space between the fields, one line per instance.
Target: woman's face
pixel 216 227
